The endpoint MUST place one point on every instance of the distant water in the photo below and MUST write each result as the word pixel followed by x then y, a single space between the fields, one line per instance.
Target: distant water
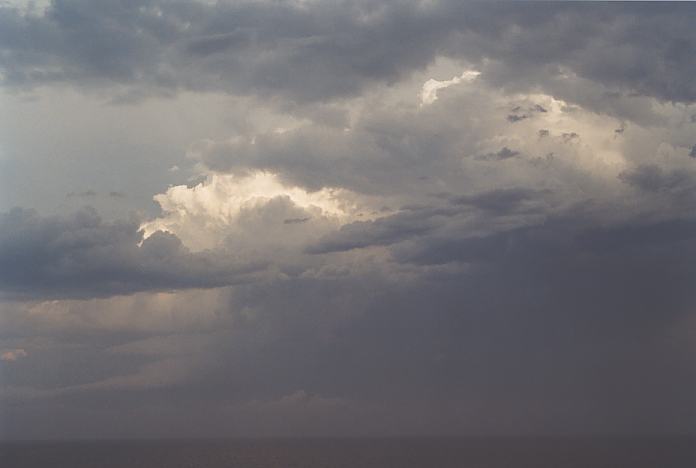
pixel 356 453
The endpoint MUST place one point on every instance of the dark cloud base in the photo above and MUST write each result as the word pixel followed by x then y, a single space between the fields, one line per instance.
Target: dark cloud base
pixel 334 50
pixel 83 256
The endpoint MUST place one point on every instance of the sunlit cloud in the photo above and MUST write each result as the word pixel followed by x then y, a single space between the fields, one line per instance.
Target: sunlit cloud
pixel 430 88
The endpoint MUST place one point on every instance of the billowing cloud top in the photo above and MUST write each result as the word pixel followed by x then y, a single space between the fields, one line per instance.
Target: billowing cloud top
pixel 411 218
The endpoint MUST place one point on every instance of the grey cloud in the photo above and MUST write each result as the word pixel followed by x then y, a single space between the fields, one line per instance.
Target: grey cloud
pixel 504 153
pixel 379 152
pixel 361 333
pixel 645 236
pixel 434 238
pixel 516 116
pixel 217 43
pixel 296 220
pixel 431 223
pixel 512 118
pixel 83 256
pixel 491 248
pixel 383 231
pixel 85 194
pixel 592 296
pixel 653 178
pixel 692 153
pixel 307 54
pixel 569 136
pixel 611 45
pixel 501 200
pixel 652 249
pixel 329 50
pixel 497 299
pixel 93 194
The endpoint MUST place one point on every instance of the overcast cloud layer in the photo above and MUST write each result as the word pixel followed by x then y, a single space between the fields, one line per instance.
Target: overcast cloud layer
pixel 344 218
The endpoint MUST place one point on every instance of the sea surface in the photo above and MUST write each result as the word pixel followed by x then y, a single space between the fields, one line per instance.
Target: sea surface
pixel 356 453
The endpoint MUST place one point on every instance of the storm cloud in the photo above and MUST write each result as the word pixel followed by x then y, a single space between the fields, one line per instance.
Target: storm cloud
pixel 344 218
pixel 327 50
pixel 82 256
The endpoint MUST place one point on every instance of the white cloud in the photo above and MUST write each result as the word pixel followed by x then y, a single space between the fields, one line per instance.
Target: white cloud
pixel 204 215
pixel 430 88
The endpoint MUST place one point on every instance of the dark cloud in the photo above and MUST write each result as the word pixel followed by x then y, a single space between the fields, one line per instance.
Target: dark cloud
pixel 504 153
pixel 381 150
pixel 463 335
pixel 521 243
pixel 512 118
pixel 83 256
pixel 560 314
pixel 614 46
pixel 296 220
pixel 641 236
pixel 530 296
pixel 329 50
pixel 516 116
pixel 653 178
pixel 430 223
pixel 569 136
pixel 692 153
pixel 307 54
pixel 411 222
pixel 501 200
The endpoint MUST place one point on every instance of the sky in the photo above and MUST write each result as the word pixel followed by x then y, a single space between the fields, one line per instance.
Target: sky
pixel 346 218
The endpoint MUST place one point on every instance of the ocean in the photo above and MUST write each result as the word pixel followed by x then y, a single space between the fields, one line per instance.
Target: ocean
pixel 473 452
